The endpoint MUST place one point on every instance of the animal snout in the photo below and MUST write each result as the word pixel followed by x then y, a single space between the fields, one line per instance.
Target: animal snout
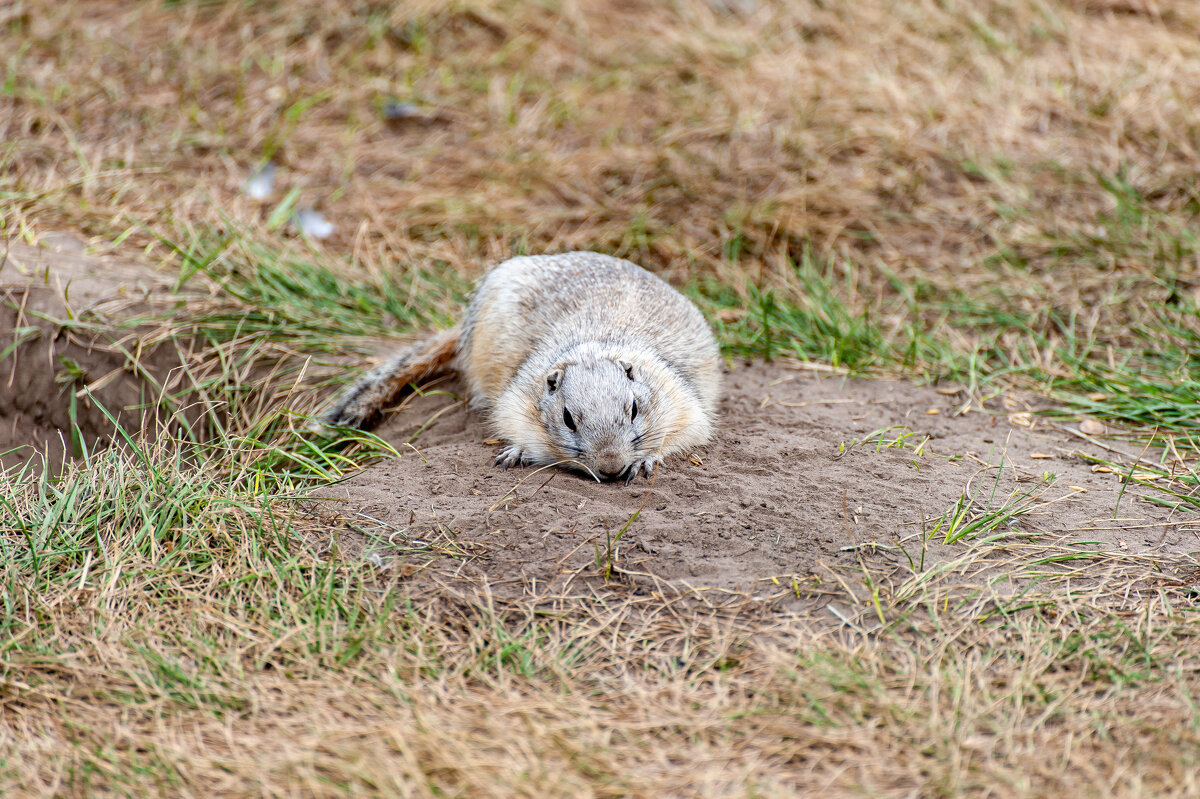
pixel 611 465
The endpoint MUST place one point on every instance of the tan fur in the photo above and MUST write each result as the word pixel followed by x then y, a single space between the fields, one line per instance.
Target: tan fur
pixel 637 367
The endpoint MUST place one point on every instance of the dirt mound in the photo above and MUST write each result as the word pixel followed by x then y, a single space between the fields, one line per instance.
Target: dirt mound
pixel 809 471
pixel 64 349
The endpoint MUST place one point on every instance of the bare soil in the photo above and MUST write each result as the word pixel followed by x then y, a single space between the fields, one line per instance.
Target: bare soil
pixel 72 349
pixel 784 493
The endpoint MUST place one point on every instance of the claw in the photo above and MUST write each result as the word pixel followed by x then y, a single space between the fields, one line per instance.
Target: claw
pixel 645 467
pixel 511 456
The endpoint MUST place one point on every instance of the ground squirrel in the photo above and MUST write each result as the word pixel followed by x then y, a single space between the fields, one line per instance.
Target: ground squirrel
pixel 580 360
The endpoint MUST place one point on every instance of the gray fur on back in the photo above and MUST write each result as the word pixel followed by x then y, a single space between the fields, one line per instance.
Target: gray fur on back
pixel 554 302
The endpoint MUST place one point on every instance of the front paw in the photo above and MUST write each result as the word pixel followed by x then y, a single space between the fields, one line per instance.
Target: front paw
pixel 645 466
pixel 511 456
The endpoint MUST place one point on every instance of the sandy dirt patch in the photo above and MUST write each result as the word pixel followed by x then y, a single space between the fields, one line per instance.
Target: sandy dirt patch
pixel 783 494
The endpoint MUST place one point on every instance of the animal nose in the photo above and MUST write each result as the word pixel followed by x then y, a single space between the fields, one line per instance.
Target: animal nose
pixel 610 465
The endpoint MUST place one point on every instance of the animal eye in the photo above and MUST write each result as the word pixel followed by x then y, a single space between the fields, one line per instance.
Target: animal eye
pixel 633 411
pixel 568 419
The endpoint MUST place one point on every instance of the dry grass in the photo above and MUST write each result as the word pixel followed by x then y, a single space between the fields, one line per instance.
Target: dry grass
pixel 166 632
pixel 213 655
pixel 963 143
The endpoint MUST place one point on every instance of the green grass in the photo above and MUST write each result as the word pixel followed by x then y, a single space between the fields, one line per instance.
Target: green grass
pixel 1140 374
pixel 289 295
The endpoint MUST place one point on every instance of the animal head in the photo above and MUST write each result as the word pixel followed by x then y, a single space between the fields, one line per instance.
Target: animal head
pixel 600 414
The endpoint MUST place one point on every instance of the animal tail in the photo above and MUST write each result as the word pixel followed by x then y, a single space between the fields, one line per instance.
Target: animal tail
pixel 362 405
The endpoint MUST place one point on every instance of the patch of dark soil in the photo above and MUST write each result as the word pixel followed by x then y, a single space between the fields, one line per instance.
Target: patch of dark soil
pixel 784 493
pixel 65 353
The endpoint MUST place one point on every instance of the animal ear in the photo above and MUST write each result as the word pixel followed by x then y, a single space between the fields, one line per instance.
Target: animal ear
pixel 553 379
pixel 628 367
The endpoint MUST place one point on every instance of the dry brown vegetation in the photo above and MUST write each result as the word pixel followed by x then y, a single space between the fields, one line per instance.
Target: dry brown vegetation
pixel 177 630
pixel 964 142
